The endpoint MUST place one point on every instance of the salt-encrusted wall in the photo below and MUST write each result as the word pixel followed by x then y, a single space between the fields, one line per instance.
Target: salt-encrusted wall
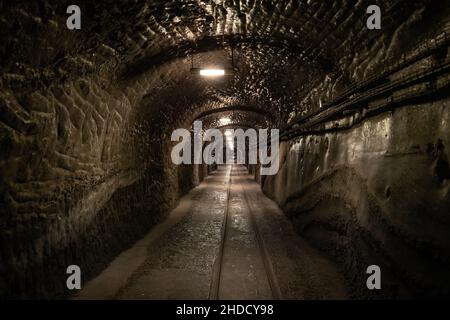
pixel 375 190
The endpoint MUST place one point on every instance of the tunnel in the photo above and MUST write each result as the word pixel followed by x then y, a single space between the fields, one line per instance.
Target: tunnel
pixel 350 96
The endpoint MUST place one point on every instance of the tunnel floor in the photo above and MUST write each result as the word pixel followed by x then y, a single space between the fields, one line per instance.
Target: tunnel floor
pixel 225 240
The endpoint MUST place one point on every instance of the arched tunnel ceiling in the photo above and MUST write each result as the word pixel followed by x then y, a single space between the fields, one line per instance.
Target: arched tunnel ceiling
pixel 234 117
pixel 286 46
pixel 236 108
pixel 136 29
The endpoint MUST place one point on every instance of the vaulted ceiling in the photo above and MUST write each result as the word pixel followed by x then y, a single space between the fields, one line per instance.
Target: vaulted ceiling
pixel 283 50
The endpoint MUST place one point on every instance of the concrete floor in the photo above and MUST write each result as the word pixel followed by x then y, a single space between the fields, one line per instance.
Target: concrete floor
pixel 197 253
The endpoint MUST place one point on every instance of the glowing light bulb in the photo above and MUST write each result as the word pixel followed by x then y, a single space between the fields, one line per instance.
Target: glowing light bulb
pixel 212 72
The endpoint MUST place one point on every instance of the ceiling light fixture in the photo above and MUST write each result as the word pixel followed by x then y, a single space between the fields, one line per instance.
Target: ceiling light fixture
pixel 206 72
pixel 224 121
pixel 214 72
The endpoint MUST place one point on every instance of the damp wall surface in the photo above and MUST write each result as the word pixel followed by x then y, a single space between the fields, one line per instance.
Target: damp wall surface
pixel 82 179
pixel 376 194
pixel 375 190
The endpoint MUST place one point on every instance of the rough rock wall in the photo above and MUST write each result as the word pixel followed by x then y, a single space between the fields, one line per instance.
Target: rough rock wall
pixel 83 175
pixel 372 55
pixel 378 192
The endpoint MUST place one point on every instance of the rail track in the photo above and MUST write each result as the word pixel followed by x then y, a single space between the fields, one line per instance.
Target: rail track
pixel 218 268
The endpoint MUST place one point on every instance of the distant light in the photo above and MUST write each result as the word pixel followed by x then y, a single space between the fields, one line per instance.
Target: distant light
pixel 212 72
pixel 224 121
pixel 229 139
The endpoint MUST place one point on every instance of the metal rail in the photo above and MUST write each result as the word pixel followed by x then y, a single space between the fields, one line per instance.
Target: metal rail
pixel 268 266
pixel 217 267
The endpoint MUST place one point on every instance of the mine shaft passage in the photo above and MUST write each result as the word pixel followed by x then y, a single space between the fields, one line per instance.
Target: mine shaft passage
pixel 218 149
pixel 226 241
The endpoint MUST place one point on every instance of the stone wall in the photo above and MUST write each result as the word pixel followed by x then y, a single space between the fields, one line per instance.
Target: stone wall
pixel 377 194
pixel 83 176
pixel 376 191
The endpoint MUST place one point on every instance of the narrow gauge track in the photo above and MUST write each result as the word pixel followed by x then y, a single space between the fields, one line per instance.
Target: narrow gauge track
pixel 218 267
pixel 268 266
